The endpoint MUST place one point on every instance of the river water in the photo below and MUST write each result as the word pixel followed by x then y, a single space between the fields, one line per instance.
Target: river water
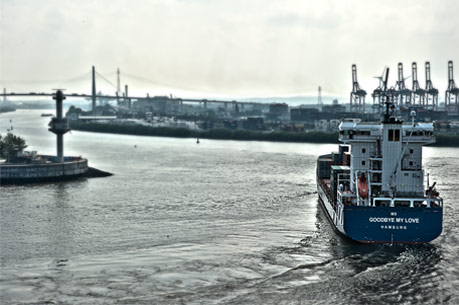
pixel 220 222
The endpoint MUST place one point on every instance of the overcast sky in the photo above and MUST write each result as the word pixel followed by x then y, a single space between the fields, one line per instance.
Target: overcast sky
pixel 226 47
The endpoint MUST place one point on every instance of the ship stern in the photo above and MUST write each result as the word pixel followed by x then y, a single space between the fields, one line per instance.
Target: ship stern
pixel 393 224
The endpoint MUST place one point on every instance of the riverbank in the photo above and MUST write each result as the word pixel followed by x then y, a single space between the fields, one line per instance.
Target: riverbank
pixel 7 109
pixel 220 134
pixel 229 134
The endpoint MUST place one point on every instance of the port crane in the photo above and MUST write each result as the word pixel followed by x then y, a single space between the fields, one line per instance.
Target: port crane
pixel 357 99
pixel 378 92
pixel 403 93
pixel 452 92
pixel 431 92
pixel 418 97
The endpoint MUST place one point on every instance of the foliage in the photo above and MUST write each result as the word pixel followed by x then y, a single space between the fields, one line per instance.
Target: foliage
pixel 221 134
pixel 229 134
pixel 10 144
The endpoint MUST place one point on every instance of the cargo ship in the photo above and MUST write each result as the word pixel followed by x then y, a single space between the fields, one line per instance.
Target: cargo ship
pixel 374 189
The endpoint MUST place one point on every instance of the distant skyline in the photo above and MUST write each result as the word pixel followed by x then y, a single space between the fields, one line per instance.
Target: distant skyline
pixel 225 48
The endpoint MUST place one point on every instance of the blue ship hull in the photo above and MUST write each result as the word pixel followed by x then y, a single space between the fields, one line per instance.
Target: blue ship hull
pixel 393 224
pixel 385 224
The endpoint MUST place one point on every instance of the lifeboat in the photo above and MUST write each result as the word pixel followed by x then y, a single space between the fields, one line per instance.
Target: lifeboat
pixel 363 186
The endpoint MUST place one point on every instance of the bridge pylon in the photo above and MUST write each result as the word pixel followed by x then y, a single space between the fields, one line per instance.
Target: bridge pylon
pixel 93 90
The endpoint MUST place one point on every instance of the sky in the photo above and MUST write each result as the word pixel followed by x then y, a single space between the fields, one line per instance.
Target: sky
pixel 224 48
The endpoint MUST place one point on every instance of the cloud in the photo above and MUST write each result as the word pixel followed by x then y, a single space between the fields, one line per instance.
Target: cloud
pixel 258 47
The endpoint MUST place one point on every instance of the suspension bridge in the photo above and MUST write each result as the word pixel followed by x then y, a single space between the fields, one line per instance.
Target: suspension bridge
pixel 119 96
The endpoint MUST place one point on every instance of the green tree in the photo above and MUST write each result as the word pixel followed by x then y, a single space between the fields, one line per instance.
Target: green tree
pixel 10 145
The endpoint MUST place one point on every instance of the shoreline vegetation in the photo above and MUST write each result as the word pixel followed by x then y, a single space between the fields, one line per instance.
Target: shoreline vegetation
pixel 443 140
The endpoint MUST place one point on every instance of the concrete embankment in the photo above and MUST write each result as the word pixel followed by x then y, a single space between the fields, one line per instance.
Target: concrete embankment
pixel 96 173
pixel 71 168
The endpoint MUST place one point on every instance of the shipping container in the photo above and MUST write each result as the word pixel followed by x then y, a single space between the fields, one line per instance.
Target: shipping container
pixel 337 158
pixel 324 168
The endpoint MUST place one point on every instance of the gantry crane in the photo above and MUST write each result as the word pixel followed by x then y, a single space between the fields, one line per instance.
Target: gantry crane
pixel 403 93
pixel 418 93
pixel 357 95
pixel 431 92
pixel 378 93
pixel 452 93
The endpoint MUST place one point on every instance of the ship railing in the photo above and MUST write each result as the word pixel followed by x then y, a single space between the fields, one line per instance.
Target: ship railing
pixel 346 197
pixel 344 179
pixel 326 188
pixel 407 202
pixel 407 169
pixel 359 138
pixel 344 193
pixel 417 139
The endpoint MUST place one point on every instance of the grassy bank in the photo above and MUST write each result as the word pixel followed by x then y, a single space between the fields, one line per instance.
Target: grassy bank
pixel 220 134
pixel 229 134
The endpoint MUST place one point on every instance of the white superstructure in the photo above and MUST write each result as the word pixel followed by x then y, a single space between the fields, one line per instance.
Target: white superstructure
pixel 389 154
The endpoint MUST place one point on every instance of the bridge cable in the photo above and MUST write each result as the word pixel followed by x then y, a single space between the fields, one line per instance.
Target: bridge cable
pixel 106 80
pixel 77 78
pixel 149 81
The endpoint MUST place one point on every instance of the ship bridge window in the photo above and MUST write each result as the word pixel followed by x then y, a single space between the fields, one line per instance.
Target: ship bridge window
pixel 397 134
pixel 363 150
pixel 411 151
pixel 394 135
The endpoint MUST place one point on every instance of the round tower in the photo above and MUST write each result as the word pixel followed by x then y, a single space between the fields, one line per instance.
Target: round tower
pixel 59 125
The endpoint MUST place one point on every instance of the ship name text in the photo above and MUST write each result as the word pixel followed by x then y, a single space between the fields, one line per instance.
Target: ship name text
pixel 393 219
